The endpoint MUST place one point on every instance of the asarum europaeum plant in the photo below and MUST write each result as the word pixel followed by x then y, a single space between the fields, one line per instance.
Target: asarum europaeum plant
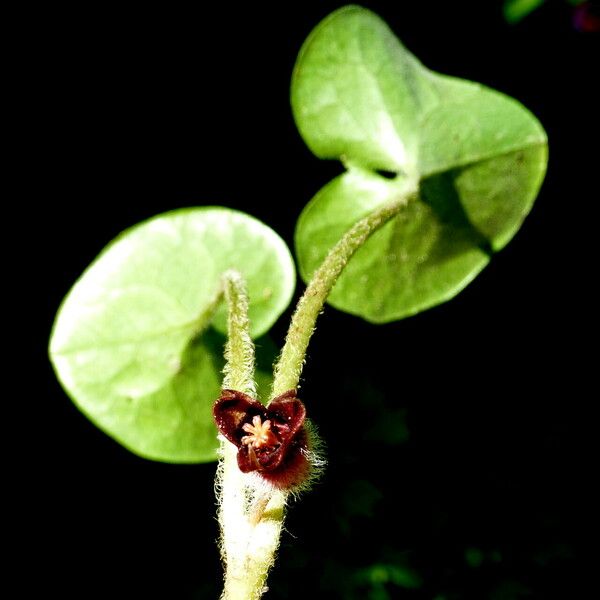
pixel 138 341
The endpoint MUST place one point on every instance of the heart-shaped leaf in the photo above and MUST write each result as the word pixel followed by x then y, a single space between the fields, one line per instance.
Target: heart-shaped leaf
pixel 477 157
pixel 133 344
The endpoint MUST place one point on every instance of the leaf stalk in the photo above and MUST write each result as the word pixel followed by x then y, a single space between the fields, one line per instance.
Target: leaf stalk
pixel 291 360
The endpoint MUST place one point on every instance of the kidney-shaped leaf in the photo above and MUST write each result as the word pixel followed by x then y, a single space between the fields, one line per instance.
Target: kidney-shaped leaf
pixel 133 343
pixel 477 156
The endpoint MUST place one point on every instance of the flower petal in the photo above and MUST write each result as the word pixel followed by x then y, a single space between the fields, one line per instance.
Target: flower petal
pixel 232 410
pixel 287 414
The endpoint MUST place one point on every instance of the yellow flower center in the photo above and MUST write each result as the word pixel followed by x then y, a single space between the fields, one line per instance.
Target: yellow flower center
pixel 260 433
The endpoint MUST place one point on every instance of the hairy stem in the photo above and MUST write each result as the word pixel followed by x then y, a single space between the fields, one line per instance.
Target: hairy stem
pixel 291 360
pixel 250 517
pixel 239 351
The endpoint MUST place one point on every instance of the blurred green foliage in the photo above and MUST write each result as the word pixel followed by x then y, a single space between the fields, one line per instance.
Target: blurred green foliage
pixel 516 10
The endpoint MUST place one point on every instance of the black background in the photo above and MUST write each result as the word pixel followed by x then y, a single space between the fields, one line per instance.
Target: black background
pixel 132 113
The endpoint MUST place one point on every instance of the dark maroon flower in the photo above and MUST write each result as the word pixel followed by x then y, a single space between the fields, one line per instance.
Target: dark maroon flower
pixel 271 440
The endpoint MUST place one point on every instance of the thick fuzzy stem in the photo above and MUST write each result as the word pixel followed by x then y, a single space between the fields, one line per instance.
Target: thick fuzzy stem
pixel 291 360
pixel 250 516
pixel 253 540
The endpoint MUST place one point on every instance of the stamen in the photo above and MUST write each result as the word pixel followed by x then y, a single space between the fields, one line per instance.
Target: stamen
pixel 260 433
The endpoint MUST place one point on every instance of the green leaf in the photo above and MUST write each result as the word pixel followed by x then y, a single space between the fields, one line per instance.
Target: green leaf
pixel 477 156
pixel 133 344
